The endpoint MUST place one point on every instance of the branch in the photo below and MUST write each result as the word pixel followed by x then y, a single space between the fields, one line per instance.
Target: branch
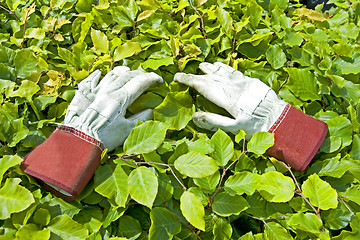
pixel 10 12
pixel 202 27
pixel 159 164
pixel 299 190
pixel 163 9
pixel 26 18
pixel 342 200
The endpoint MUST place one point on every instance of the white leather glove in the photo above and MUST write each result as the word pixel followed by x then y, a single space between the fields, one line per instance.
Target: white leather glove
pixel 254 106
pixel 104 118
pixel 83 96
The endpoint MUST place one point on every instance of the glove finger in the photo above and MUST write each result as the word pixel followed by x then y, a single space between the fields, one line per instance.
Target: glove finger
pixel 226 68
pixel 212 122
pixel 216 68
pixel 115 75
pixel 198 82
pixel 137 85
pixel 87 84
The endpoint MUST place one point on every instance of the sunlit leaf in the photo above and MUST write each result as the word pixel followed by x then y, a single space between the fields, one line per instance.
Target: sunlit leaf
pixel 14 198
pixel 142 186
pixel 319 192
pixel 193 210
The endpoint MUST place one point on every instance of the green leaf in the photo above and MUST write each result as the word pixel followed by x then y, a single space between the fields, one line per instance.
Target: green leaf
pixel 274 231
pixel 42 217
pixel 336 219
pixel 352 194
pixel 240 136
pixel 111 182
pixel 164 224
pixel 303 84
pixel 66 228
pixel 341 127
pixel 26 89
pixel 208 183
pixel 242 182
pixel 319 192
pixel 227 205
pixel 223 147
pixel 25 63
pixel 225 21
pixel 260 142
pixel 154 64
pixel 143 186
pixel 275 187
pixel 100 41
pixel 222 229
pixel 307 222
pixel 129 227
pixel 193 210
pixel 126 50
pixel 14 198
pixel 176 110
pixel 276 57
pixel 195 165
pixel 31 232
pixel 145 138
pixel 7 162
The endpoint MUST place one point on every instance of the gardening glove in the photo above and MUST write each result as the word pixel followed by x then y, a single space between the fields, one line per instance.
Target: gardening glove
pixel 255 107
pixel 67 160
pixel 84 95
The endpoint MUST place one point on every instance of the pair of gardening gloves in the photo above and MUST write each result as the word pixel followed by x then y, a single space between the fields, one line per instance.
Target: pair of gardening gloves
pixel 95 120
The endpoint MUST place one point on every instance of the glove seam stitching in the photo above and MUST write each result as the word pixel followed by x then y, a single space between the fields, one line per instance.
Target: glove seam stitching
pixel 281 118
pixel 82 136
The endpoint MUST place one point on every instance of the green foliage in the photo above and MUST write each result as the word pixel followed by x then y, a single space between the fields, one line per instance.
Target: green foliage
pixel 172 180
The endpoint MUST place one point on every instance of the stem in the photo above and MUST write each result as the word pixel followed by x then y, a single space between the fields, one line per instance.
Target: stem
pixel 234 42
pixel 160 164
pixel 10 12
pixel 163 9
pixel 225 170
pixel 299 190
pixel 26 18
pixel 347 207
pixel 202 27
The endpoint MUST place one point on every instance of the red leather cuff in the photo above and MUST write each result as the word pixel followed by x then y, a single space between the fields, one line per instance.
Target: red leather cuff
pixel 66 160
pixel 298 137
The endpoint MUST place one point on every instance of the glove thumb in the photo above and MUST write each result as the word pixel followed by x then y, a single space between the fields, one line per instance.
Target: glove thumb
pixel 213 122
pixel 143 116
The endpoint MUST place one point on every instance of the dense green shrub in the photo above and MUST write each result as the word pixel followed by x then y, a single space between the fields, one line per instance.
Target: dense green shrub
pixel 187 183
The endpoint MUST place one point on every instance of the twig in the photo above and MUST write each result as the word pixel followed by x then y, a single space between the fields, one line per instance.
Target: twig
pixel 234 41
pixel 202 27
pixel 11 12
pixel 160 164
pixel 24 29
pixel 163 9
pixel 299 190
pixel 342 200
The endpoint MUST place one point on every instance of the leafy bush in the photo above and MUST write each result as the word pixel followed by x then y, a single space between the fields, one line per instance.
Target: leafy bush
pixel 178 181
